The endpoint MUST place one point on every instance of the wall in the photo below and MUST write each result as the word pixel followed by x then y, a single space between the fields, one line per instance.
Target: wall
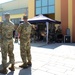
pixel 0 19
pixel 64 15
pixel 15 4
pixel 73 20
pixel 17 8
pixel 58 11
pixel 70 17
pixel 17 16
pixel 31 8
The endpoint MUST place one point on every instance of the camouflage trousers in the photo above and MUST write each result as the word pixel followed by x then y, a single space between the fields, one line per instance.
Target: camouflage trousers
pixel 25 51
pixel 7 48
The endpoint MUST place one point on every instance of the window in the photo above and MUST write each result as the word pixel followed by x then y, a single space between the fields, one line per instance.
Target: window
pixel 44 10
pixel 51 9
pixel 38 3
pixel 38 10
pixel 45 6
pixel 16 20
pixel 51 2
pixel 44 3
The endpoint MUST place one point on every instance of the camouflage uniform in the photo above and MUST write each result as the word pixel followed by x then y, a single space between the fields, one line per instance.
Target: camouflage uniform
pixel 25 30
pixel 7 28
pixel 0 34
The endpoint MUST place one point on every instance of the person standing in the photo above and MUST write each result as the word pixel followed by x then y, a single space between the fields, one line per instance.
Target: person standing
pixel 24 30
pixel 7 28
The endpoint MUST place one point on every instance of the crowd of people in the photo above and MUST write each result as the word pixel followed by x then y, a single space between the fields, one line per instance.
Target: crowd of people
pixel 54 35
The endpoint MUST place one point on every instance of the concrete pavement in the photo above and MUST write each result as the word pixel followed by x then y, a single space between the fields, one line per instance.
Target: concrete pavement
pixel 52 59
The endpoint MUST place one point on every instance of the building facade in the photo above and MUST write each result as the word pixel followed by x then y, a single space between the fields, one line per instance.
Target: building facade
pixel 62 10
pixel 17 8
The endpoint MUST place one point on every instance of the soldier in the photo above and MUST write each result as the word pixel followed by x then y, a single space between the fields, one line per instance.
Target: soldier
pixel 59 31
pixel 7 28
pixel 24 30
pixel 0 35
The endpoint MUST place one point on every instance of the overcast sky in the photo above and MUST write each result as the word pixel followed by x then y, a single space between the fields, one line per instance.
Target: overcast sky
pixel 3 1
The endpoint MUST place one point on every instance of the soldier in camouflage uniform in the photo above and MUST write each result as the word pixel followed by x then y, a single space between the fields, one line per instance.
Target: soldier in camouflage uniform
pixel 24 30
pixel 0 35
pixel 7 28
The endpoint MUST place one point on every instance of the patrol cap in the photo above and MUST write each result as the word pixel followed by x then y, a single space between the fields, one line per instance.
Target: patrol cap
pixel 7 14
pixel 25 17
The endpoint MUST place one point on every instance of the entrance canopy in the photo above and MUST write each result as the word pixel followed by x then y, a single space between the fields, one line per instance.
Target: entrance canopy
pixel 42 18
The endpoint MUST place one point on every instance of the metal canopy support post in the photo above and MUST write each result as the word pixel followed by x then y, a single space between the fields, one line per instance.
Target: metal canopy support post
pixel 47 24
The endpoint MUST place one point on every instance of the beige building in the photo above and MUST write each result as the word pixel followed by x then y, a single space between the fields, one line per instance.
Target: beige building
pixel 62 10
pixel 17 8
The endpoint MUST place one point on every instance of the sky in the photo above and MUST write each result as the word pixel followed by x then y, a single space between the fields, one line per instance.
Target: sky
pixel 3 1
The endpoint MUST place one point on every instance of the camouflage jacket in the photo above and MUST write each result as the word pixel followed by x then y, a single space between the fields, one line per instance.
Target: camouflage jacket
pixel 6 30
pixel 24 30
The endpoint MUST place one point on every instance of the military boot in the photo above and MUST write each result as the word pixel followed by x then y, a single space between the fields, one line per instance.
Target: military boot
pixel 3 71
pixel 12 68
pixel 24 66
pixel 29 63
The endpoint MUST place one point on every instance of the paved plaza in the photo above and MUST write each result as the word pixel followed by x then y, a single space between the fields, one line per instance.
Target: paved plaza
pixel 47 59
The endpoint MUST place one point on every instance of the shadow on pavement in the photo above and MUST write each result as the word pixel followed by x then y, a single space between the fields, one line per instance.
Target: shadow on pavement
pixel 51 45
pixel 11 73
pixel 38 44
pixel 25 71
pixel 1 65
